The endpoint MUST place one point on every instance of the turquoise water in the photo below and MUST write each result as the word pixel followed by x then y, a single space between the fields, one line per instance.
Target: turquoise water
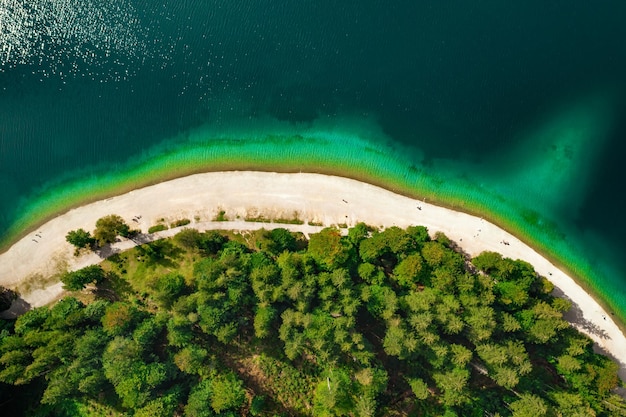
pixel 513 112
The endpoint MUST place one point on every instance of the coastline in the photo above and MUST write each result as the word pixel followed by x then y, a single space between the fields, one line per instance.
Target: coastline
pixel 316 198
pixel 337 153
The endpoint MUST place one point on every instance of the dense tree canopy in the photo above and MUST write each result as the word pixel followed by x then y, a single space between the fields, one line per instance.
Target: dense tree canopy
pixel 369 323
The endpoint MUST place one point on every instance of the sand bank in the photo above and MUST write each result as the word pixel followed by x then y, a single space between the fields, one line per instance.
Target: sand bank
pixel 319 199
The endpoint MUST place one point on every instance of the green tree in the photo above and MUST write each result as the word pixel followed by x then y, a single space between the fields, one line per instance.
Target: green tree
pixel 192 360
pixel 167 288
pixel 80 372
pixel 212 242
pixel 419 388
pixel 373 249
pixel 77 280
pixel 149 330
pixel 529 405
pixel 460 355
pixel 188 238
pixel 512 294
pixel 419 234
pixel 86 369
pixel 398 341
pixel 454 385
pixel 387 247
pixel 365 406
pixel 262 320
pixel 487 262
pixel 434 253
pixel 333 394
pixel 120 318
pixel 108 228
pixel 409 271
pixel 80 238
pixel 281 240
pixel 381 301
pixel 179 331
pixel 163 406
pixel 481 323
pixel 543 322
pixel 329 249
pixel 134 380
pixel 399 241
pixel 227 393
pixel 371 274
pixel 199 399
pixel 572 405
pixel 266 282
pixel 359 232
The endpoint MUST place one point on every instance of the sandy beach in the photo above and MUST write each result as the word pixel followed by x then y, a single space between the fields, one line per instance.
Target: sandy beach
pixel 320 199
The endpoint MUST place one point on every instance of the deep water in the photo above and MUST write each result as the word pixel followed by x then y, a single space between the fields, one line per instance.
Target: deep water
pixel 511 111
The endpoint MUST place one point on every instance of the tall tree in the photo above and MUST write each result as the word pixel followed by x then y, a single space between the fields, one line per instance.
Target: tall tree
pixel 109 227
pixel 329 248
pixel 77 280
pixel 80 238
pixel 529 405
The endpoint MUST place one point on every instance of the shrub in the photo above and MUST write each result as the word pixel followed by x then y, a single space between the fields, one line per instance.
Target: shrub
pixel 157 228
pixel 179 223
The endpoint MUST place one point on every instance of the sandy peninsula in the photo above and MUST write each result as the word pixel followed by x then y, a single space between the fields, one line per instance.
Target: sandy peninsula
pixel 319 199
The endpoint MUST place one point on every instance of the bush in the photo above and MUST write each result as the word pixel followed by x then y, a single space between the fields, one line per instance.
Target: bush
pixel 80 238
pixel 221 217
pixel 157 228
pixel 179 223
pixel 189 238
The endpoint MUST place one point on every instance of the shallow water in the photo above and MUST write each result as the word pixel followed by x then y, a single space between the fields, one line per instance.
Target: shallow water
pixel 513 111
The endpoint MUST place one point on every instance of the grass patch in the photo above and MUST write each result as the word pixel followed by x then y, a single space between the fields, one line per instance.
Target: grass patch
pixel 315 224
pixel 289 221
pixel 157 228
pixel 179 223
pixel 221 217
pixel 258 219
pixel 135 268
pixel 38 281
pixel 291 387
pixel 281 220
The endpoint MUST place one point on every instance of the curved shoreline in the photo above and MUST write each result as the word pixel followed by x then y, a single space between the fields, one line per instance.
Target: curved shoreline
pixel 316 198
pixel 329 151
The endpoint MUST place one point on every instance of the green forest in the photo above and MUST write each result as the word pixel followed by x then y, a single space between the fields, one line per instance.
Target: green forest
pixel 350 322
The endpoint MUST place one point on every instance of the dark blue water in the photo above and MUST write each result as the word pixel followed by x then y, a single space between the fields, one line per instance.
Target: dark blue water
pixel 88 85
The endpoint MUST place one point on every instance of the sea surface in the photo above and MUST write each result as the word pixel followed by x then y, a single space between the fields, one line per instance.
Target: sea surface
pixel 515 111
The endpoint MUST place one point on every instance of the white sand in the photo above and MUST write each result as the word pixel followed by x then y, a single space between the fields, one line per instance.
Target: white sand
pixel 312 198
